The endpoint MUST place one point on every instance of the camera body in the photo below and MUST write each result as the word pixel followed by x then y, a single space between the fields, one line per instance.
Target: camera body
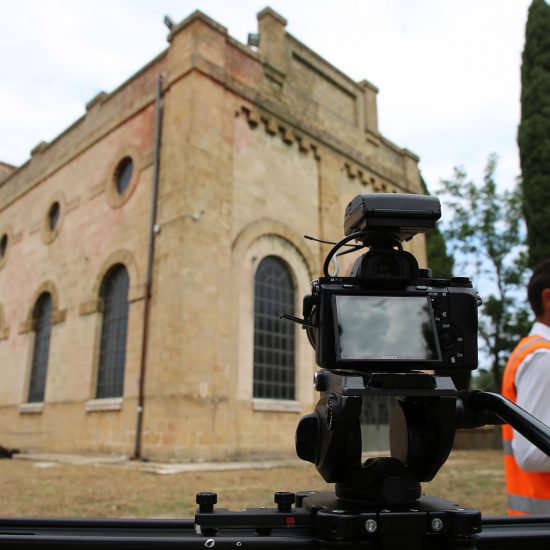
pixel 389 315
pixel 428 324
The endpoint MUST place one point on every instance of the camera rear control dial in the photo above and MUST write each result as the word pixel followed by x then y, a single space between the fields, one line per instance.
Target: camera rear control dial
pixel 447 339
pixel 451 342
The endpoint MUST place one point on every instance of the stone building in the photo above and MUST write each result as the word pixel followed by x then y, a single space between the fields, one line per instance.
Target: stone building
pixel 144 251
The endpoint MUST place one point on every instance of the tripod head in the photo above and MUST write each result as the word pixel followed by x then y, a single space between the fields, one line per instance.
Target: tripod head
pixel 422 430
pixel 421 434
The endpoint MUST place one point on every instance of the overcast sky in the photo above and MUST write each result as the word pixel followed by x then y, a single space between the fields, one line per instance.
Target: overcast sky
pixel 448 71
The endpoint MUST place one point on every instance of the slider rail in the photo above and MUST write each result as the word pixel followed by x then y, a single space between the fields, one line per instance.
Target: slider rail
pixel 502 533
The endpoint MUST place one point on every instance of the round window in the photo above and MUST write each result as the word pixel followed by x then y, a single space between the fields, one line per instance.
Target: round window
pixel 123 174
pixel 3 245
pixel 53 215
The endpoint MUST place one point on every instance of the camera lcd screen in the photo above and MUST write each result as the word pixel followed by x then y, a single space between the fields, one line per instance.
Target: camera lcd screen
pixel 398 328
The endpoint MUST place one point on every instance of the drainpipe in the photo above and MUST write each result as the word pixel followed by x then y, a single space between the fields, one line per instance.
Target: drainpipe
pixel 149 277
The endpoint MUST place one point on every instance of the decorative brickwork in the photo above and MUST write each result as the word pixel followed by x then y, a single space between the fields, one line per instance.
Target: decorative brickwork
pixel 136 291
pixel 58 315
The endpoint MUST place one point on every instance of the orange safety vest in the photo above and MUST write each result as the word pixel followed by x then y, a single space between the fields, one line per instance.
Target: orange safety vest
pixel 528 492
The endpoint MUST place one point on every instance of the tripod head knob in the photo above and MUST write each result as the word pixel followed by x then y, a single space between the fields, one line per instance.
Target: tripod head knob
pixel 206 501
pixel 284 500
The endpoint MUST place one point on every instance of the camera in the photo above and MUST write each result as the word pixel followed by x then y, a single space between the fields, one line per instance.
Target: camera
pixel 389 315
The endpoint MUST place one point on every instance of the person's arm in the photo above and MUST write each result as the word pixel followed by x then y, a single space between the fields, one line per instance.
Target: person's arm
pixel 533 395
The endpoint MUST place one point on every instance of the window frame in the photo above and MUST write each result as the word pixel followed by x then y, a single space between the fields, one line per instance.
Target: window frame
pixel 115 198
pixel 274 341
pixel 6 232
pixel 120 177
pixel 42 328
pixel 113 334
pixel 49 233
pixel 255 241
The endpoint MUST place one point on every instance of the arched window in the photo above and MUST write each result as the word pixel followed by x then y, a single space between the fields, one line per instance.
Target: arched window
pixel 114 327
pixel 274 376
pixel 42 316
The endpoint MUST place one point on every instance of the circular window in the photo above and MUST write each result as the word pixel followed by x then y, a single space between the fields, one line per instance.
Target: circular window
pixel 123 174
pixel 53 219
pixel 53 216
pixel 3 245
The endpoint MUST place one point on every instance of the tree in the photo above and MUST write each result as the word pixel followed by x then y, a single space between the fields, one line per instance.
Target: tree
pixel 439 261
pixel 486 230
pixel 442 264
pixel 534 131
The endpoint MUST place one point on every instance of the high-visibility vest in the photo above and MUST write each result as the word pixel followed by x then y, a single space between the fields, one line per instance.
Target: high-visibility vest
pixel 528 492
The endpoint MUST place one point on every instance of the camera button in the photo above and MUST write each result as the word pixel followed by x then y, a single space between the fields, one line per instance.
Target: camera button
pixel 421 287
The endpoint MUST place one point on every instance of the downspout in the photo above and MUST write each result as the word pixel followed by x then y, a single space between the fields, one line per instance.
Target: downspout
pixel 149 277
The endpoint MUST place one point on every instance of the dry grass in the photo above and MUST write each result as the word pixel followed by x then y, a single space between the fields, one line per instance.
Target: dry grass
pixel 472 478
pixel 475 479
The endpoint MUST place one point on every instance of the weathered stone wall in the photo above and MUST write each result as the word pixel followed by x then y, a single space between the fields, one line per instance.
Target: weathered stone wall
pixel 258 149
pixel 77 172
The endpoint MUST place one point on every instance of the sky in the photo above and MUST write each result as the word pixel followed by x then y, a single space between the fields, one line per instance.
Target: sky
pixel 448 71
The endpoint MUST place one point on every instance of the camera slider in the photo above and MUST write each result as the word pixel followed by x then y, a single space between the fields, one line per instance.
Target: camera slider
pixel 233 532
pixel 430 523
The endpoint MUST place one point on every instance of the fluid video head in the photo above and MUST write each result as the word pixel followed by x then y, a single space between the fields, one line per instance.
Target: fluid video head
pixel 389 315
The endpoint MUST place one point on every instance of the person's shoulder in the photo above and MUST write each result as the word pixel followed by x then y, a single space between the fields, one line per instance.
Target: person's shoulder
pixel 541 330
pixel 535 368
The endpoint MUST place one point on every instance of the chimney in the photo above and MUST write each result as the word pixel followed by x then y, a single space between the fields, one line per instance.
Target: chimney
pixel 271 28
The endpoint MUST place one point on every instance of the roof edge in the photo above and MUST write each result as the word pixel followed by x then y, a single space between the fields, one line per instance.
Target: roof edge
pixel 197 15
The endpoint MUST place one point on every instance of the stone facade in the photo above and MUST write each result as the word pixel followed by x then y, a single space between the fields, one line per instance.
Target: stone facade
pixel 258 148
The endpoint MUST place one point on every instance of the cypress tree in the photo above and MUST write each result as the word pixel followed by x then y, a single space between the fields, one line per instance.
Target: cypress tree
pixel 534 131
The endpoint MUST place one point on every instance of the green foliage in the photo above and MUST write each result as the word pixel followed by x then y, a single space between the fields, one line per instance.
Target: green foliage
pixel 439 261
pixel 534 131
pixel 486 230
pixel 484 381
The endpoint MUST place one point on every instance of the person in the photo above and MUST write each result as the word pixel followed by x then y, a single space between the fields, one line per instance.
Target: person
pixel 526 382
